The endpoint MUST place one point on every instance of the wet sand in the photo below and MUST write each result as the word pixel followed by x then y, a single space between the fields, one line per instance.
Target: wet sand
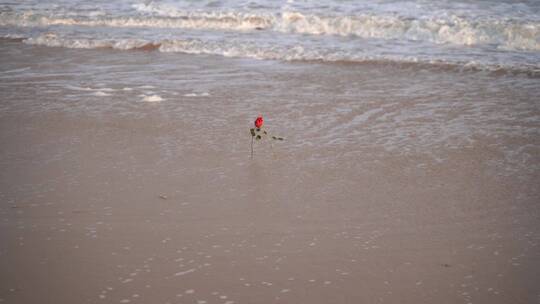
pixel 160 202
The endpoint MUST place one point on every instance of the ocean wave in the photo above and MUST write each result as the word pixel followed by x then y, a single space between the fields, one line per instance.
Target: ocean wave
pixel 259 51
pixel 53 40
pixel 506 34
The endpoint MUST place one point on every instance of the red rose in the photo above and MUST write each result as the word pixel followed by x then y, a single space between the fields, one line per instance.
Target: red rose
pixel 259 122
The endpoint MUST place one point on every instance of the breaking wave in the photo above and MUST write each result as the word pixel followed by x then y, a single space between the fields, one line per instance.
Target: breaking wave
pixel 267 52
pixel 506 33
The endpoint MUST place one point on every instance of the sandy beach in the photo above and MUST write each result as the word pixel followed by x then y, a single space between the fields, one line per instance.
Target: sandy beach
pixel 123 186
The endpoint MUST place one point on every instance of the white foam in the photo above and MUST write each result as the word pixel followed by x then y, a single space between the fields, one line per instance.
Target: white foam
pixel 204 94
pixel 436 28
pixel 442 29
pixel 272 51
pixel 101 93
pixel 54 40
pixel 181 273
pixel 300 53
pixel 234 20
pixel 12 35
pixel 151 98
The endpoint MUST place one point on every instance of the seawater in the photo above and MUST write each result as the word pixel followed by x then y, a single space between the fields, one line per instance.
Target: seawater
pixel 486 35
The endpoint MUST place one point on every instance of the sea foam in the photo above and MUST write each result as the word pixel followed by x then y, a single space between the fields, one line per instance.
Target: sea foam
pixel 151 98
pixel 447 29
pixel 261 51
